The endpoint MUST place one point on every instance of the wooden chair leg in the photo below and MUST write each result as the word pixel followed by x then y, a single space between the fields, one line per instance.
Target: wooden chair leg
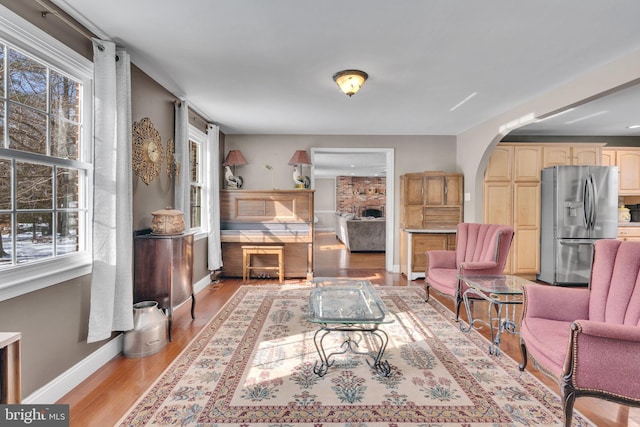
pixel 244 265
pixel 568 396
pixel 523 351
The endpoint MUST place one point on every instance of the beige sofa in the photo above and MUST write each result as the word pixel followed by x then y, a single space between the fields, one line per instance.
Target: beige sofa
pixel 361 234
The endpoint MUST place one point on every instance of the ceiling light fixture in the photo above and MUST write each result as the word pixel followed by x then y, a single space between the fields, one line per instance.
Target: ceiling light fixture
pixel 633 127
pixel 350 81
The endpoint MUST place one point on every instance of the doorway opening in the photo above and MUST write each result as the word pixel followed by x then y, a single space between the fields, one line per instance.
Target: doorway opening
pixel 330 163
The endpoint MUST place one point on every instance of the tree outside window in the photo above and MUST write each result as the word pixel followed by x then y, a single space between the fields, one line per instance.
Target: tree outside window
pixel 43 182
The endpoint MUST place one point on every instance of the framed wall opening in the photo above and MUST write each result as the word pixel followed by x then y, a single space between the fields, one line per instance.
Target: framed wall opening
pixel 328 163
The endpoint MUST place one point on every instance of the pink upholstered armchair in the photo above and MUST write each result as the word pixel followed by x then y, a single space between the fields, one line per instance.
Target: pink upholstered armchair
pixel 481 249
pixel 588 340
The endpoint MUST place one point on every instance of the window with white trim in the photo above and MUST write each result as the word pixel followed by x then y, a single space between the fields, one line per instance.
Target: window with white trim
pixel 198 194
pixel 45 158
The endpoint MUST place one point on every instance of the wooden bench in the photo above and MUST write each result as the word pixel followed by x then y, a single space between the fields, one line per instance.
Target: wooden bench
pixel 247 251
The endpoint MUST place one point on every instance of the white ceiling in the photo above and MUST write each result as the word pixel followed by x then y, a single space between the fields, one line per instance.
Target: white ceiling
pixel 265 66
pixel 609 115
pixel 330 163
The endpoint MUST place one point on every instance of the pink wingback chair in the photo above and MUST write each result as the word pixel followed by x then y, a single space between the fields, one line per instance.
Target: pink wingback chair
pixel 588 340
pixel 481 249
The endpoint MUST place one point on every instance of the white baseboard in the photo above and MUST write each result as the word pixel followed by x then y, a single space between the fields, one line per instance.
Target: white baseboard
pixel 201 284
pixel 63 384
pixel 71 378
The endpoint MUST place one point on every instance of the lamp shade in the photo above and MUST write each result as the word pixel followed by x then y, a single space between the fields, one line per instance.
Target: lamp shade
pixel 235 158
pixel 300 157
pixel 350 81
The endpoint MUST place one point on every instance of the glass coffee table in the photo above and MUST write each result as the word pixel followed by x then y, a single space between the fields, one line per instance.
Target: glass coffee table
pixel 354 308
pixel 503 293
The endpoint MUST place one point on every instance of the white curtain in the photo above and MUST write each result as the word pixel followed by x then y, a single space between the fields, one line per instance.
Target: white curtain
pixel 215 250
pixel 112 279
pixel 182 183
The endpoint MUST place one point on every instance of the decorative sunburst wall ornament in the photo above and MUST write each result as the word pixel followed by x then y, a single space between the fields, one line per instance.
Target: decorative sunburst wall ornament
pixel 147 153
pixel 172 165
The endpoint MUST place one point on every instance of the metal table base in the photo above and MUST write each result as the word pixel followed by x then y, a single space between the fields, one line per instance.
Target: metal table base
pixel 497 324
pixel 382 367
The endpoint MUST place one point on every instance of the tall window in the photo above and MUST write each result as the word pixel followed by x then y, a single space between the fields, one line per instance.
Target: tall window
pixel 45 172
pixel 197 174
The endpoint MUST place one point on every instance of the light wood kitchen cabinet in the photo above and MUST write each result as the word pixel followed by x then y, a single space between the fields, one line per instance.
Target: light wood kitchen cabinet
pixel 430 199
pixel 526 163
pixel 514 200
pixel 608 157
pixel 526 223
pixel 627 160
pixel 628 233
pixel 571 154
pixel 498 209
pixel 500 164
pixel 443 190
pixel 415 243
pixel 589 155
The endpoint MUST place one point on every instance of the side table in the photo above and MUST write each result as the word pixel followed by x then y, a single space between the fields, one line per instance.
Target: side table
pixel 502 292
pixel 10 370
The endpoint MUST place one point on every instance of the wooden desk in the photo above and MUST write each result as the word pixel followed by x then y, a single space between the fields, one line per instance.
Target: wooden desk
pixel 10 371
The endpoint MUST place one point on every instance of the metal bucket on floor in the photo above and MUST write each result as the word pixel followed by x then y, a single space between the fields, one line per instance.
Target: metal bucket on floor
pixel 150 330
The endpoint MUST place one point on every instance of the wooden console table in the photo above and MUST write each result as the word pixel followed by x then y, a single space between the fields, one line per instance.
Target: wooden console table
pixel 10 370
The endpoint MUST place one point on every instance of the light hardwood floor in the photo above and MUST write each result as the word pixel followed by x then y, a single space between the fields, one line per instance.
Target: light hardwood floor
pixel 102 399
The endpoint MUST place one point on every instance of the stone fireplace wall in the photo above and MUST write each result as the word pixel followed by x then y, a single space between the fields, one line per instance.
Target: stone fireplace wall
pixel 355 194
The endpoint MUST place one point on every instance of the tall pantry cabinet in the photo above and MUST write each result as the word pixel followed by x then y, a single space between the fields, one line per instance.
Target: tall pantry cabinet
pixel 512 197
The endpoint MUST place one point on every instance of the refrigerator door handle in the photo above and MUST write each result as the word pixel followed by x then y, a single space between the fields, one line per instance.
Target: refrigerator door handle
pixel 594 201
pixel 587 204
pixel 585 243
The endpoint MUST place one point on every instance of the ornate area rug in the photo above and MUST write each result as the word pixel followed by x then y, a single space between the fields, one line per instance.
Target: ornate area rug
pixel 253 366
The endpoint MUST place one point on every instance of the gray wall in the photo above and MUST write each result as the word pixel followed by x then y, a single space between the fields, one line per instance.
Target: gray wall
pixel 53 321
pixel 412 154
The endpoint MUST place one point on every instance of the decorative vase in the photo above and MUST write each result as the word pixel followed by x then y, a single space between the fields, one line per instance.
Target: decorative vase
pixel 150 330
pixel 167 222
pixel 624 214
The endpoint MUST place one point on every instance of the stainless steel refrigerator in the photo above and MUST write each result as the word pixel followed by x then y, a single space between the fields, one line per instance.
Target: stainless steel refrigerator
pixel 579 206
